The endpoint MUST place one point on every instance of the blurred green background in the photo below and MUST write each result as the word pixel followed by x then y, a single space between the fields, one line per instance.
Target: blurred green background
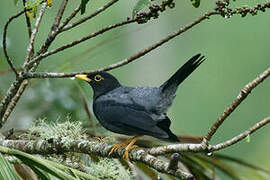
pixel 237 50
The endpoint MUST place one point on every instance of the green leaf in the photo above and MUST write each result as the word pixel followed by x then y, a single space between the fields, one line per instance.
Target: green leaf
pixel 33 5
pixel 43 167
pixel 6 170
pixel 40 173
pixel 49 3
pixel 248 138
pixel 34 163
pixel 139 6
pixel 83 5
pixel 195 3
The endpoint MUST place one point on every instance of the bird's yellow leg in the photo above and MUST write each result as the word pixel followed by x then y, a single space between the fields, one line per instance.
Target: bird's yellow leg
pixel 129 147
pixel 117 146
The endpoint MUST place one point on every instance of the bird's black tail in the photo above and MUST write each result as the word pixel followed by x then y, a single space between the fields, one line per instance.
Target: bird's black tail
pixel 182 73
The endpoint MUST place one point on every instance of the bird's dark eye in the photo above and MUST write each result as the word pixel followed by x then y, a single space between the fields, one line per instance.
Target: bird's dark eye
pixel 98 78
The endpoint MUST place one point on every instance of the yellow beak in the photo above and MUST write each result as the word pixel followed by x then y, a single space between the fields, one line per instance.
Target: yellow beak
pixel 83 77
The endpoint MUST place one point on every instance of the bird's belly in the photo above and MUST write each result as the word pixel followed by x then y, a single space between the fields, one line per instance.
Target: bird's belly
pixel 112 126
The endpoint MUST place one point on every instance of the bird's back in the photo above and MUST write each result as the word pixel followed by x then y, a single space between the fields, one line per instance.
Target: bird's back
pixel 149 99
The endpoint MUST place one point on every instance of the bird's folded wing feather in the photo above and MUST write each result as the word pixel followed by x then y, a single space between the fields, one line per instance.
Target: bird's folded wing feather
pixel 127 119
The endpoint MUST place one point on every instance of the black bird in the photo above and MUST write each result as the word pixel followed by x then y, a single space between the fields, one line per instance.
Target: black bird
pixel 136 111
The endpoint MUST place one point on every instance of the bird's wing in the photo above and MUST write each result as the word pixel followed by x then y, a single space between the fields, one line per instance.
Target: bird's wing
pixel 127 119
pixel 148 98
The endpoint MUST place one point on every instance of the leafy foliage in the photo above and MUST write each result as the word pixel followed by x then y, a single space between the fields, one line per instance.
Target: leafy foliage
pixel 33 5
pixel 6 169
pixel 43 168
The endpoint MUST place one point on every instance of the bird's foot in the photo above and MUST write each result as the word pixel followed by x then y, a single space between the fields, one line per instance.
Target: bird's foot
pixel 128 148
pixel 130 145
pixel 117 146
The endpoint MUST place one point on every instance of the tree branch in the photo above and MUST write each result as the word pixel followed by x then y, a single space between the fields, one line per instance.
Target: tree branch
pixel 4 41
pixel 240 136
pixel 6 110
pixel 144 155
pixel 118 64
pixel 92 147
pixel 53 33
pixel 34 33
pixel 27 20
pixel 41 56
pixel 6 100
pixel 71 16
pixel 14 100
pixel 242 95
pixel 82 20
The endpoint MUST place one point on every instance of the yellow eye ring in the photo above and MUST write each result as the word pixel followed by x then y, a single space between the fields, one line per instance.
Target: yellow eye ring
pixel 98 78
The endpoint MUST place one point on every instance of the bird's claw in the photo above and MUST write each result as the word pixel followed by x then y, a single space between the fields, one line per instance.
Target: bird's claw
pixel 126 155
pixel 129 145
pixel 117 146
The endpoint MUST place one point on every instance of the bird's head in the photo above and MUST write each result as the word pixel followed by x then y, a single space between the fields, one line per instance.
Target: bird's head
pixel 101 82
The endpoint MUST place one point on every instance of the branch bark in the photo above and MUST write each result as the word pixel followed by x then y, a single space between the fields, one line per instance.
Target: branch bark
pixel 103 8
pixel 17 88
pixel 144 155
pixel 242 95
pixel 120 63
pixel 92 147
pixel 240 136
pixel 9 61
pixel 37 59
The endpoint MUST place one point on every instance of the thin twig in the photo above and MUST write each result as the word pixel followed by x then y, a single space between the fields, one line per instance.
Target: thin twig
pixel 71 16
pixel 240 136
pixel 30 47
pixel 59 16
pixel 242 95
pixel 161 150
pixel 11 103
pixel 15 91
pixel 5 43
pixel 14 100
pixel 10 94
pixel 27 20
pixel 19 91
pixel 103 8
pixel 17 88
pixel 10 71
pixel 118 64
pixel 38 58
pixel 53 33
